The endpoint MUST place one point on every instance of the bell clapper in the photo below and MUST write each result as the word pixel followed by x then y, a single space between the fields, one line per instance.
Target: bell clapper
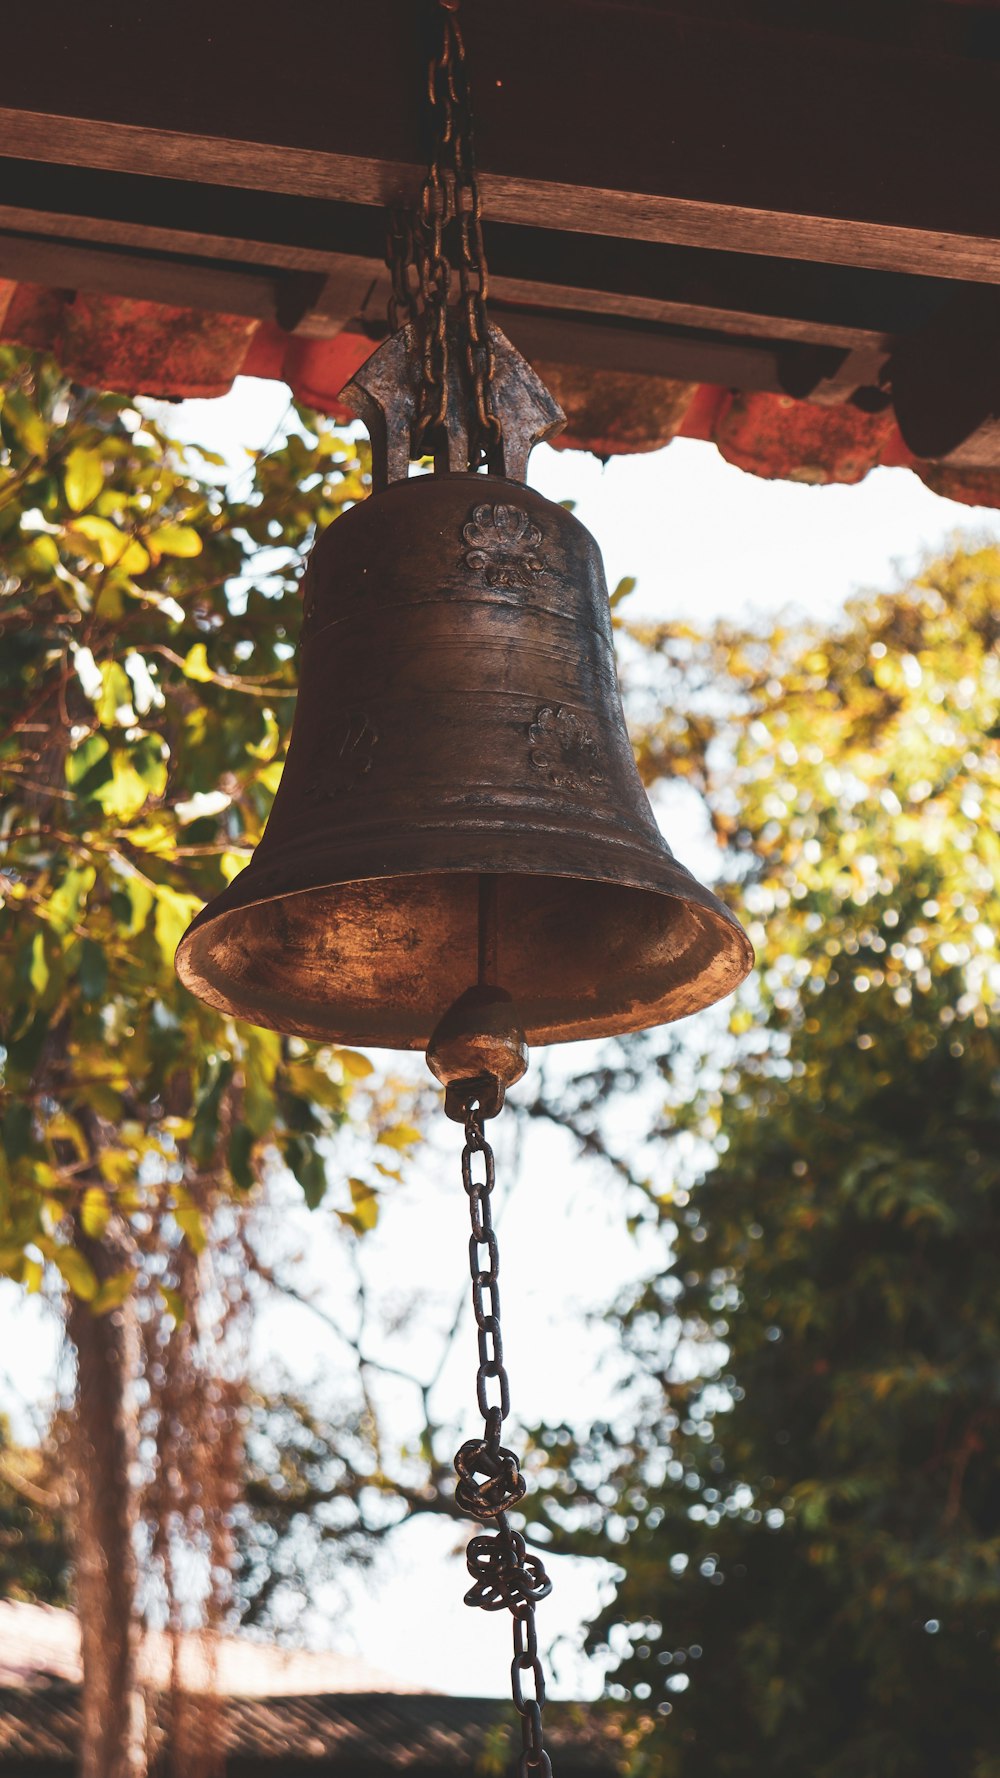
pixel 477 1050
pixel 487 929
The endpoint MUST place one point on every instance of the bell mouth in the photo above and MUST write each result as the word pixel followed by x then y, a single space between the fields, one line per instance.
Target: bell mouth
pixel 376 961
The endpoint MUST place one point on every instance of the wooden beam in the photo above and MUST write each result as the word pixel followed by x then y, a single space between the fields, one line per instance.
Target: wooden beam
pixel 655 120
pixel 642 351
pixel 66 266
pixel 308 303
pixel 355 285
pixel 604 210
pixel 748 294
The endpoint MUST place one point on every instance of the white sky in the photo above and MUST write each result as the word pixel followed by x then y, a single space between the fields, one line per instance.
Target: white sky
pixel 704 540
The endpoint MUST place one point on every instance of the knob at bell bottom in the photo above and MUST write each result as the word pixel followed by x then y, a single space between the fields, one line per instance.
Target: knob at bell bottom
pixel 459 715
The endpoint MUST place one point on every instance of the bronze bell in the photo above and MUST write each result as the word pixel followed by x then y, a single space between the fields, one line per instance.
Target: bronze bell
pixel 459 745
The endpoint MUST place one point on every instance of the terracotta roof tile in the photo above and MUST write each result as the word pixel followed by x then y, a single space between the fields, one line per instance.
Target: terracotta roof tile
pixel 151 348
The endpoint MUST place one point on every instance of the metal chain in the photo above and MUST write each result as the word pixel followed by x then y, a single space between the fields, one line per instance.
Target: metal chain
pixel 490 1482
pixel 450 205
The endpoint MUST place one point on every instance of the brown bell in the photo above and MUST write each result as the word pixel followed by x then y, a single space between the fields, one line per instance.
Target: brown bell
pixel 459 717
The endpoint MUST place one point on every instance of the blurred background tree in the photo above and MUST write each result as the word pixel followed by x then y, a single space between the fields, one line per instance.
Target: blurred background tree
pixel 801 1490
pixel 148 622
pixel 34 1544
pixel 807 1512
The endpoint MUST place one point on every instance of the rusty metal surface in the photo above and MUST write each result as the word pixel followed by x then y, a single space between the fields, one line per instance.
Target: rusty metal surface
pixel 386 393
pixel 490 1482
pixel 477 1049
pixel 459 713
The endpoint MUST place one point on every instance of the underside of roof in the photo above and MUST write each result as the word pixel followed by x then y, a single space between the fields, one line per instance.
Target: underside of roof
pixel 771 226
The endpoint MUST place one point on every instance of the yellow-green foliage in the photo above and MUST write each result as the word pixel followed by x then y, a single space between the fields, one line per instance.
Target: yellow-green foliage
pixel 148 622
pixel 807 1510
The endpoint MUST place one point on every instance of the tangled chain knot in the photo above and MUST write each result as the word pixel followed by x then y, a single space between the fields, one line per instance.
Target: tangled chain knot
pixel 502 1484
pixel 505 1575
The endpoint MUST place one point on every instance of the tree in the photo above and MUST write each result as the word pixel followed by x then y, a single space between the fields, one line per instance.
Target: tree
pixel 807 1517
pixel 34 1548
pixel 148 620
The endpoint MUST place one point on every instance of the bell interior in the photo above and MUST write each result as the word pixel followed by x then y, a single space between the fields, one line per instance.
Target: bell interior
pixel 379 961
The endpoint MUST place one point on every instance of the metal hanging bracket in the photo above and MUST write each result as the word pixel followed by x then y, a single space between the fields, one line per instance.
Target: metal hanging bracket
pixel 385 394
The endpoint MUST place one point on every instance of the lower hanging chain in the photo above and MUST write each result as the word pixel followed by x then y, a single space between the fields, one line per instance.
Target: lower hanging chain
pixel 490 1482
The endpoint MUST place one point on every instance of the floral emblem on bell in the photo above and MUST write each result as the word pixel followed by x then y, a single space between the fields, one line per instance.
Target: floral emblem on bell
pixel 502 543
pixel 564 750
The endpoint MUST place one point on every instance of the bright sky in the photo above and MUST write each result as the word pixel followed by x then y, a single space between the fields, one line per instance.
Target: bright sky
pixel 704 540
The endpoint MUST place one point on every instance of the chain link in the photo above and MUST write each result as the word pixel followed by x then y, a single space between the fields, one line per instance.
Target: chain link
pixel 450 206
pixel 489 1476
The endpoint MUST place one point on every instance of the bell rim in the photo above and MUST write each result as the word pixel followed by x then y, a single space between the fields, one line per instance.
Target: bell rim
pixel 658 874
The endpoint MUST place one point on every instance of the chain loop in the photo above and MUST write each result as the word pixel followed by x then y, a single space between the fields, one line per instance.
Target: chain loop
pixel 450 206
pixel 490 1482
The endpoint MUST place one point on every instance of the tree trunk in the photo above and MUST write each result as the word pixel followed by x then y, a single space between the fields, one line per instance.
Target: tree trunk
pixel 113 1743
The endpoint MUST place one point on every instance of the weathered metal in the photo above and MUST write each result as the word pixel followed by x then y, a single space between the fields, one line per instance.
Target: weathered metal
pixel 490 1483
pixel 459 713
pixel 443 231
pixel 478 1048
pixel 386 392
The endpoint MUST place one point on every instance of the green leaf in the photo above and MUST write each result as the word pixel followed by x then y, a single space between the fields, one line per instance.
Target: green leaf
pixel 205 1132
pixel 101 1098
pixel 38 973
pixel 400 1136
pixel 131 905
pixel 82 765
pixel 124 793
pixel 92 973
pixel 175 1303
pixel 192 1224
pixel 196 665
pixel 113 1292
pixel 84 477
pixel 32 1275
pixel 311 1175
pixel 95 1211
pixel 366 1204
pixel 66 903
pixel 148 759
pixel 17 1121
pixel 22 420
pixel 109 542
pixel 25 1048
pixel 175 540
pixel 270 777
pixel 354 1064
pixel 115 703
pixel 117 1165
pixel 240 1151
pixel 174 913
pixel 78 1272
pixel 60 1127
